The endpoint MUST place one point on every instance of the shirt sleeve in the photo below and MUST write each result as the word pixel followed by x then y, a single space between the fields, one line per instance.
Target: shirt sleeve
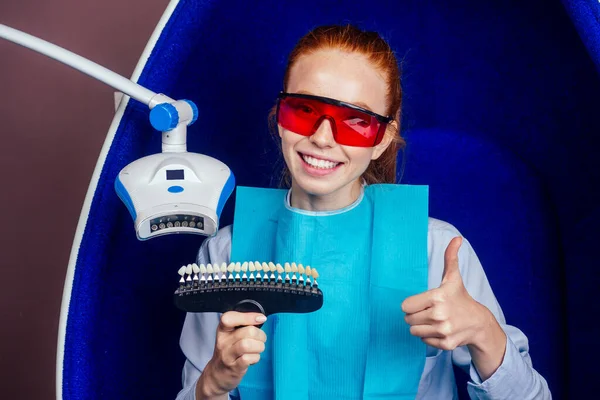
pixel 198 335
pixel 515 378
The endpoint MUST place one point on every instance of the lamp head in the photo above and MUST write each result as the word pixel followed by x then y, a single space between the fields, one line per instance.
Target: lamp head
pixel 175 193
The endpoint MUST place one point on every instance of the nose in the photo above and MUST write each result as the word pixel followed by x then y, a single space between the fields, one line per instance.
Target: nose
pixel 323 136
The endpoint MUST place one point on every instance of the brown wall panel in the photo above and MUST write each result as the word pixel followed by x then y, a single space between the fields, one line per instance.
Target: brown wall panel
pixel 53 121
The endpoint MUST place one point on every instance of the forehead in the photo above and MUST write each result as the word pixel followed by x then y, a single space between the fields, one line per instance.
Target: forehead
pixel 340 75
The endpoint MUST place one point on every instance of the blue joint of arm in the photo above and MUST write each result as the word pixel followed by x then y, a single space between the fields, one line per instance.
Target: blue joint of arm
pixel 165 117
pixel 194 111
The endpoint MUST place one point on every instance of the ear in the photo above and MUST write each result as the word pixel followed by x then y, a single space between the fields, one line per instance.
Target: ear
pixel 388 137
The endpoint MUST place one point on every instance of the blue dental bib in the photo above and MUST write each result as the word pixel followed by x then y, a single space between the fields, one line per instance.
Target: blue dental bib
pixel 370 256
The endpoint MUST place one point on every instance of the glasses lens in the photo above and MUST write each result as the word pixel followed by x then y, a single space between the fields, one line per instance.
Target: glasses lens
pixel 299 115
pixel 355 128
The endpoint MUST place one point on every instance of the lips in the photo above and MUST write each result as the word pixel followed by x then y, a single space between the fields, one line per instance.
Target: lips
pixel 319 162
pixel 318 167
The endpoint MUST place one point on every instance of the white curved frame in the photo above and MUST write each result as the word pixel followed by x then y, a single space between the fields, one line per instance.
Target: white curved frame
pixel 83 217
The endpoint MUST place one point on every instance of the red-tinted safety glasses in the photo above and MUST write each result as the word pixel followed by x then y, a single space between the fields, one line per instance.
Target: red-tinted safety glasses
pixel 351 125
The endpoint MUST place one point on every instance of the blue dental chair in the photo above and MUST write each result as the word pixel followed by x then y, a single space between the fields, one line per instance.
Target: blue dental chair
pixel 501 117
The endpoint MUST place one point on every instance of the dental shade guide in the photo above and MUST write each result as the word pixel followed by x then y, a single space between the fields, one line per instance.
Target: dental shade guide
pixel 222 288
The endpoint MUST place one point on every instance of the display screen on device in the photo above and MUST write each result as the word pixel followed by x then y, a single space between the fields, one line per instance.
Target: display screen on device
pixel 175 174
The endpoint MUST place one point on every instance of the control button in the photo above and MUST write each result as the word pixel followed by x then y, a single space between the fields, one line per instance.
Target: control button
pixel 175 189
pixel 154 227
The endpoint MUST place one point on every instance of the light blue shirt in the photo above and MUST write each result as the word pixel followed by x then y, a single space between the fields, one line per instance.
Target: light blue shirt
pixel 515 379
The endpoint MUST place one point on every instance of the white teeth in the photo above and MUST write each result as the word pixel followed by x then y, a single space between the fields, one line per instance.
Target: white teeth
pixel 315 274
pixel 182 270
pixel 321 164
pixel 249 271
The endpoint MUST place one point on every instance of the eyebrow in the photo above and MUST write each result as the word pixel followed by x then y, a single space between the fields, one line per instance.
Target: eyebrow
pixel 359 103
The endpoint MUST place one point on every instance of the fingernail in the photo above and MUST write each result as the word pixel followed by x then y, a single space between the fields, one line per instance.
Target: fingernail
pixel 261 318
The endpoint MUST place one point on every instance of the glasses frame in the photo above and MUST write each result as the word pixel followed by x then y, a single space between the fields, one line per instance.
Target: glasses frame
pixel 327 100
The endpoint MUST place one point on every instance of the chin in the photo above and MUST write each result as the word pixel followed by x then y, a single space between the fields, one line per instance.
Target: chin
pixel 322 187
pixel 315 188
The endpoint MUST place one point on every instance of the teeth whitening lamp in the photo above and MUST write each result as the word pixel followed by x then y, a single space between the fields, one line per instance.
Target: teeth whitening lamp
pixel 172 192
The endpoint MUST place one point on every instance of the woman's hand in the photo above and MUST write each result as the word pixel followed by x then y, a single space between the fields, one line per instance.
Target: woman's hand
pixel 448 317
pixel 238 345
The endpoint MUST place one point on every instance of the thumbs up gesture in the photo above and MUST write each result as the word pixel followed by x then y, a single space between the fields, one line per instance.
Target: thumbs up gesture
pixel 446 317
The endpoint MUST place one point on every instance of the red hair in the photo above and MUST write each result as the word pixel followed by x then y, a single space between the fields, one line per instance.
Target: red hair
pixel 370 44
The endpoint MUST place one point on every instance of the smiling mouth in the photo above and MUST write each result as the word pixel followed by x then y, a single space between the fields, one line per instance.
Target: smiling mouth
pixel 318 163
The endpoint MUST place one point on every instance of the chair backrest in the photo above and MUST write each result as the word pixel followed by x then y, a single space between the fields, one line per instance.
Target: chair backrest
pixel 500 205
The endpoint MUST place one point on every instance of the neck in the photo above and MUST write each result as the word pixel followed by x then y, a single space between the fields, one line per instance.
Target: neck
pixel 341 198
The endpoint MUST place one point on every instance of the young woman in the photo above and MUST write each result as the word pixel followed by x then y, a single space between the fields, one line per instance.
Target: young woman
pixel 338 119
